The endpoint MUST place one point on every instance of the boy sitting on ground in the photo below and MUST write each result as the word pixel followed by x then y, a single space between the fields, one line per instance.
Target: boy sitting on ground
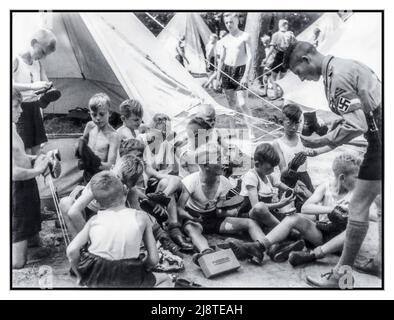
pixel 292 153
pixel 131 113
pixel 98 148
pixel 330 201
pixel 155 192
pixel 80 206
pixel 26 213
pixel 114 237
pixel 258 189
pixel 197 205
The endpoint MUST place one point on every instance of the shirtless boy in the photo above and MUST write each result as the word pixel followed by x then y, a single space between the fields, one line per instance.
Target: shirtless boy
pixel 99 145
pixel 26 215
pixel 235 61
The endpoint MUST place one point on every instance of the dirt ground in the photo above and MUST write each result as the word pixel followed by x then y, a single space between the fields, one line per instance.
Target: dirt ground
pixel 51 269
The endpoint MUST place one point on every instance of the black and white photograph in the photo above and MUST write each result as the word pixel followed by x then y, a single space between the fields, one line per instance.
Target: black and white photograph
pixel 196 150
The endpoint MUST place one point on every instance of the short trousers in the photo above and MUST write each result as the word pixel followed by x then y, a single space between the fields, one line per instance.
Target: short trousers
pixel 31 125
pixel 97 272
pixel 26 210
pixel 210 221
pixel 371 167
pixel 235 73
pixel 277 64
pixel 327 236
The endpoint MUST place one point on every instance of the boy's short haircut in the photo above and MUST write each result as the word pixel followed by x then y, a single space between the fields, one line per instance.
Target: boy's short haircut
pixel 99 100
pixel 130 169
pixel 265 153
pixel 16 95
pixel 209 153
pixel 345 163
pixel 293 112
pixel 158 117
pixel 107 189
pixel 129 145
pixel 231 15
pixel 129 107
pixel 282 22
pixel 45 36
pixel 296 50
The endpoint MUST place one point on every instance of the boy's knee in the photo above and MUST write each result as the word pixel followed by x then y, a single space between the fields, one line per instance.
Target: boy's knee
pixel 19 263
pixel 250 223
pixel 260 209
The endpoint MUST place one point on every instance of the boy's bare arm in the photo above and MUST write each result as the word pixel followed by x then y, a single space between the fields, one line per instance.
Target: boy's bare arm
pixel 21 174
pixel 89 126
pixel 312 207
pixel 150 244
pixel 182 204
pixel 282 162
pixel 248 51
pixel 73 249
pixel 77 209
pixel 114 143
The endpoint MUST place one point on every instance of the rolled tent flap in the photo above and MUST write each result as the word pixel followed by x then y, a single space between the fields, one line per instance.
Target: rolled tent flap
pixel 196 33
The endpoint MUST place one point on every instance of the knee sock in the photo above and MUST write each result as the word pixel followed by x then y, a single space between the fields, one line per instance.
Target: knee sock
pixel 355 234
pixel 265 243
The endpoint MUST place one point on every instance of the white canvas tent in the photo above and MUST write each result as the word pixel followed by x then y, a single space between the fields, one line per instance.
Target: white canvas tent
pixel 358 38
pixel 196 33
pixel 328 23
pixel 112 53
pixel 117 55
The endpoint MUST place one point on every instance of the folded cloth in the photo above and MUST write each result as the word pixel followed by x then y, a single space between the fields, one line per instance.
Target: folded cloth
pixel 97 272
pixel 169 262
pixel 89 161
pixel 48 96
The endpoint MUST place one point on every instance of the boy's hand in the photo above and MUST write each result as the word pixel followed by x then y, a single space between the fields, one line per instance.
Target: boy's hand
pixel 41 163
pixel 185 215
pixel 244 82
pixel 159 210
pixel 287 200
pixel 38 85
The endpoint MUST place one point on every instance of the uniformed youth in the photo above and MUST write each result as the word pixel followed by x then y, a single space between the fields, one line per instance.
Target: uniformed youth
pixel 353 92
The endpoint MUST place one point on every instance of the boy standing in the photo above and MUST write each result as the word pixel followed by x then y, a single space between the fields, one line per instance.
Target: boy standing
pixel 280 41
pixel 235 61
pixel 114 237
pixel 29 77
pixel 354 92
pixel 98 148
pixel 26 211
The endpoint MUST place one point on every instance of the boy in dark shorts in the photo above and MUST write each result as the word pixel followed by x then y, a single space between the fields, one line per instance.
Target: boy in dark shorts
pixel 29 78
pixel 114 237
pixel 353 92
pixel 235 62
pixel 26 213
pixel 98 148
pixel 280 41
pixel 198 204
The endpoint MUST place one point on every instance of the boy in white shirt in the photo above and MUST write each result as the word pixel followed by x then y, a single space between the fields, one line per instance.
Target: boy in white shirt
pixel 114 237
pixel 198 204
